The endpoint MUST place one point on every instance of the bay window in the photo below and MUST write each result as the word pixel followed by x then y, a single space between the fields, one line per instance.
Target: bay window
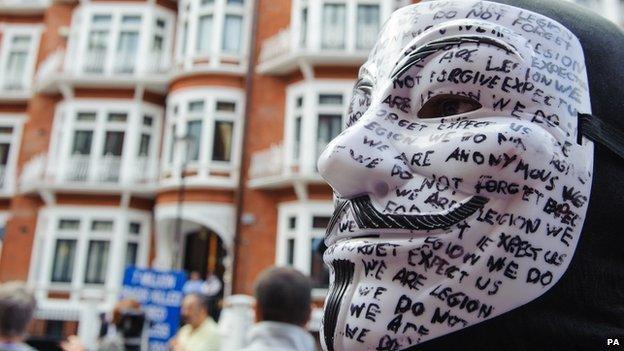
pixel 317 106
pixel 217 31
pixel 105 144
pixel 119 40
pixel 368 18
pixel 18 51
pixel 90 247
pixel 203 133
pixel 334 26
pixel 301 231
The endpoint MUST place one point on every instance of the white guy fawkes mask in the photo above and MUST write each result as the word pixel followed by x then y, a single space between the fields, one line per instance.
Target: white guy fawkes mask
pixel 461 187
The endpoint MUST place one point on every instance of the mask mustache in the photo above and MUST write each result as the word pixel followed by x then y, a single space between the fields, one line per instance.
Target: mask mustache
pixel 368 217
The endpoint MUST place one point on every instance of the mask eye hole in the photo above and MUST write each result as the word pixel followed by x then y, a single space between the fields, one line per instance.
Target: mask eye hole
pixel 448 105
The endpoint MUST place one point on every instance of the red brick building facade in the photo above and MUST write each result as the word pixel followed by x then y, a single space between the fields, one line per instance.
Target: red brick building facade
pixel 169 134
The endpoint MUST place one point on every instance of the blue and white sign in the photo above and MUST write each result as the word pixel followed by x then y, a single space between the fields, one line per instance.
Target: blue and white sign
pixel 160 295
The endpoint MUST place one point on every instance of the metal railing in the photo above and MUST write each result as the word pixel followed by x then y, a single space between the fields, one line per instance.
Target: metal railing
pixel 78 168
pixel 94 61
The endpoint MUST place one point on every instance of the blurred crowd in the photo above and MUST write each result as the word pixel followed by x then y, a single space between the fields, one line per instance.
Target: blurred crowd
pixel 282 309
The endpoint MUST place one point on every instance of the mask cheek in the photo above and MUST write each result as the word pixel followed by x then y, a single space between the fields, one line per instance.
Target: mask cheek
pixel 498 160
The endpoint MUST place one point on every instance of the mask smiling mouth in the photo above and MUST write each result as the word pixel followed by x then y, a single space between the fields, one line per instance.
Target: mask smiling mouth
pixel 367 217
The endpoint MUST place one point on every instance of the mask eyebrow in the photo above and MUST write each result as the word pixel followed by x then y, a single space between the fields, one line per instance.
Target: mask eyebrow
pixel 412 58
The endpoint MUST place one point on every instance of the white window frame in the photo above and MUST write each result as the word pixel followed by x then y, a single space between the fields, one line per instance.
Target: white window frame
pixel 15 121
pixel 315 21
pixel 310 91
pixel 47 234
pixel 65 125
pixel 303 233
pixel 149 12
pixel 216 59
pixel 10 31
pixel 170 170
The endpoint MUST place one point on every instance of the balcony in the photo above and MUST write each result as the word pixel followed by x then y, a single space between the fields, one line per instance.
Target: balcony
pixel 25 7
pixel 281 54
pixel 124 70
pixel 84 174
pixel 271 169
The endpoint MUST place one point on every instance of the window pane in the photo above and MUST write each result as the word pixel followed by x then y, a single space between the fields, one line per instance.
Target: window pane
pixel 131 254
pixel 196 106
pixel 290 251
pixel 292 222
pixel 333 31
pixel 222 142
pixel 184 36
pixel 320 222
pixel 148 121
pixel 299 101
pixel 232 34
pixel 117 117
pixel 226 106
pixel 319 273
pixel 101 19
pixel 204 34
pixel 15 70
pixel 172 144
pixel 6 130
pixel 367 26
pixel 134 228
pixel 96 51
pixel 82 142
pixel 85 116
pixel 194 131
pixel 4 153
pixel 127 51
pixel 235 2
pixel 144 145
pixel 297 144
pixel 207 2
pixel 160 23
pixel 328 128
pixel 131 20
pixel 69 224
pixel 62 268
pixel 102 226
pixel 113 144
pixel 330 99
pixel 97 262
pixel 303 35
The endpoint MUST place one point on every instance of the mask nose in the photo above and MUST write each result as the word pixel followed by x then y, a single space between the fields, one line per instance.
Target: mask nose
pixel 359 162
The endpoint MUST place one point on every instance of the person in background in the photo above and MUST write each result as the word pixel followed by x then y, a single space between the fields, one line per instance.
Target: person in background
pixel 283 308
pixel 200 331
pixel 194 285
pixel 111 336
pixel 17 306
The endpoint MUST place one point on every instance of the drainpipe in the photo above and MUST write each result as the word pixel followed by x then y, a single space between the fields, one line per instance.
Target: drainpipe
pixel 241 176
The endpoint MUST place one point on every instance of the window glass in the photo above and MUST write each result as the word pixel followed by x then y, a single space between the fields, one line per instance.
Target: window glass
pixel 333 31
pixel 204 34
pixel 117 117
pixel 134 228
pixel 172 143
pixel 235 2
pixel 16 62
pixel 102 226
pixel 144 145
pixel 330 99
pixel 319 273
pixel 329 126
pixel 196 106
pixel 63 265
pixel 97 262
pixel 96 50
pixel 232 32
pixel 113 143
pixel 131 20
pixel 194 131
pixel 226 106
pixel 303 34
pixel 86 116
pixel 222 141
pixel 131 254
pixel 69 224
pixel 292 222
pixel 6 130
pixel 127 48
pixel 320 222
pixel 297 144
pixel 82 142
pixel 4 154
pixel 290 251
pixel 367 26
pixel 148 121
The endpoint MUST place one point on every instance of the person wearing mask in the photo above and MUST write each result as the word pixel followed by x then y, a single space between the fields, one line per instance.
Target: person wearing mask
pixel 200 331
pixel 17 306
pixel 283 308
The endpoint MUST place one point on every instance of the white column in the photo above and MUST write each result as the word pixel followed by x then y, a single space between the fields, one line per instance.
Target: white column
pixel 89 322
pixel 164 245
